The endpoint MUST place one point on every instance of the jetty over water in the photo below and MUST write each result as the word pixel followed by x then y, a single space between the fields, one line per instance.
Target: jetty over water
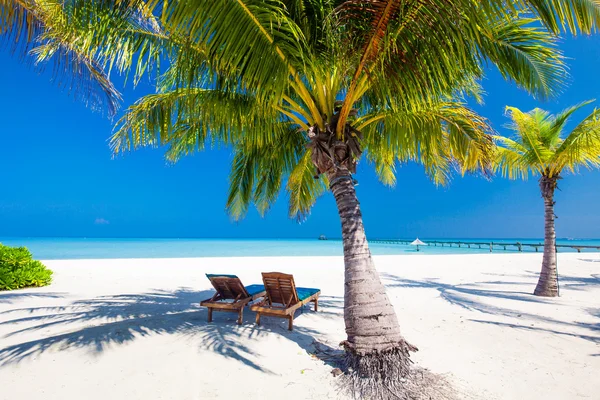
pixel 508 246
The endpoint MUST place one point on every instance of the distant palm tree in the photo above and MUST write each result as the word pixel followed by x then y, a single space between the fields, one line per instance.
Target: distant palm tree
pixel 300 88
pixel 539 149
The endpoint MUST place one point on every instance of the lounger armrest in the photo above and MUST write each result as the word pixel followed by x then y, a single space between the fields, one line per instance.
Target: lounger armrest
pixel 260 303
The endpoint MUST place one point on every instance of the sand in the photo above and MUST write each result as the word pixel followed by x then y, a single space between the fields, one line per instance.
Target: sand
pixel 133 329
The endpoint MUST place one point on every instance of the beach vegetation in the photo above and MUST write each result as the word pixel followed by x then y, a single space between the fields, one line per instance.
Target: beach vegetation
pixel 302 90
pixel 539 147
pixel 19 270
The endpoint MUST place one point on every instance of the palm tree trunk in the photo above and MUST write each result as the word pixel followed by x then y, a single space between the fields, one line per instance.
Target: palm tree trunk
pixel 548 281
pixel 376 353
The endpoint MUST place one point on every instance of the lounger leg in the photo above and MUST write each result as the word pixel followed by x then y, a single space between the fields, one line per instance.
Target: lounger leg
pixel 257 318
pixel 317 304
pixel 290 322
pixel 210 314
pixel 240 316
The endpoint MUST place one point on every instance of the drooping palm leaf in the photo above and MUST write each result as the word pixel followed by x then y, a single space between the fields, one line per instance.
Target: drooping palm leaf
pixel 187 116
pixel 574 15
pixel 525 53
pixel 37 28
pixel 60 32
pixel 259 169
pixel 441 136
pixel 303 189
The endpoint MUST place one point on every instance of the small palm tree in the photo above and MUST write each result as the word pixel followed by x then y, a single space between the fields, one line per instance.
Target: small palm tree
pixel 540 150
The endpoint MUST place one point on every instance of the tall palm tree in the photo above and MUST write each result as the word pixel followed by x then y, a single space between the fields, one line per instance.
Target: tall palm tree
pixel 300 88
pixel 307 106
pixel 540 149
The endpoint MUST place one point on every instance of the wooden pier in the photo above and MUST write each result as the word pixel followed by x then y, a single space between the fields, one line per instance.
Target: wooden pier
pixel 516 246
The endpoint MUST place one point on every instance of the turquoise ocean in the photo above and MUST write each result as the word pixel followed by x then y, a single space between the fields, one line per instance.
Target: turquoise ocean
pixel 90 248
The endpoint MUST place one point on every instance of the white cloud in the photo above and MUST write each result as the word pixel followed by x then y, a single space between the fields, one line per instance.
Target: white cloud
pixel 101 221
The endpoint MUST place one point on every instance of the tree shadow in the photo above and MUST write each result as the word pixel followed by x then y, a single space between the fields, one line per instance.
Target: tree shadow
pixel 469 297
pixel 589 260
pixel 579 282
pixel 10 296
pixel 105 321
pixel 571 282
pixel 595 312
pixel 330 307
pixel 591 338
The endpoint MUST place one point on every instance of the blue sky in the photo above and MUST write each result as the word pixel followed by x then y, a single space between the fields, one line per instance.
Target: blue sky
pixel 59 179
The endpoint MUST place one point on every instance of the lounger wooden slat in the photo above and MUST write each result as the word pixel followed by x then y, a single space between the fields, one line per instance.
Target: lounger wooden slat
pixel 283 298
pixel 231 295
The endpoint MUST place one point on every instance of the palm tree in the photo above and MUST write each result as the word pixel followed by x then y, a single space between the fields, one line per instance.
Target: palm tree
pixel 285 122
pixel 300 88
pixel 539 149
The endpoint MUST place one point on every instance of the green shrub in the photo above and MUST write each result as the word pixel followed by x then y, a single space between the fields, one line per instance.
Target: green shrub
pixel 18 269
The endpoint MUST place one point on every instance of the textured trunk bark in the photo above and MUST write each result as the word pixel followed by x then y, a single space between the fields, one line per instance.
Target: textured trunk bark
pixel 548 281
pixel 375 349
pixel 377 358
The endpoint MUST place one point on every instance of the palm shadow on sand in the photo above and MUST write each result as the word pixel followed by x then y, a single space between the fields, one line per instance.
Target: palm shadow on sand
pixel 473 297
pixel 105 321
pixel 10 297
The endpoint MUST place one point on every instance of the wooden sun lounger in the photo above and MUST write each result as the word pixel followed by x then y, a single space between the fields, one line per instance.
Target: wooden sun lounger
pixel 231 296
pixel 283 298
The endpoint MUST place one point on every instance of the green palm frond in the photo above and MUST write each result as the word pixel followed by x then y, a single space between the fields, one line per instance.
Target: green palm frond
pixel 574 15
pixel 445 136
pixel 39 29
pixel 303 188
pixel 510 144
pixel 468 142
pixel 524 53
pixel 241 184
pixel 581 147
pixel 256 39
pixel 384 159
pixel 59 32
pixel 539 149
pixel 437 47
pixel 376 17
pixel 510 159
pixel 550 137
pixel 557 15
pixel 529 126
pixel 410 50
pixel 309 15
pixel 186 116
pixel 258 172
pixel 256 175
pixel 81 74
pixel 19 24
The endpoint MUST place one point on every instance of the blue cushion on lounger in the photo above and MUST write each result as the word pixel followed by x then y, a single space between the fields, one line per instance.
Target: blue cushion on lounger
pixel 304 293
pixel 254 289
pixel 218 275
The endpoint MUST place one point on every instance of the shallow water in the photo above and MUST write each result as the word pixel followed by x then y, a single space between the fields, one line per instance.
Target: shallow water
pixel 90 248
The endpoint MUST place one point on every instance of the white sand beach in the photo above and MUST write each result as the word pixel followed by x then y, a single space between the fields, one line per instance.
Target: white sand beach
pixel 133 329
